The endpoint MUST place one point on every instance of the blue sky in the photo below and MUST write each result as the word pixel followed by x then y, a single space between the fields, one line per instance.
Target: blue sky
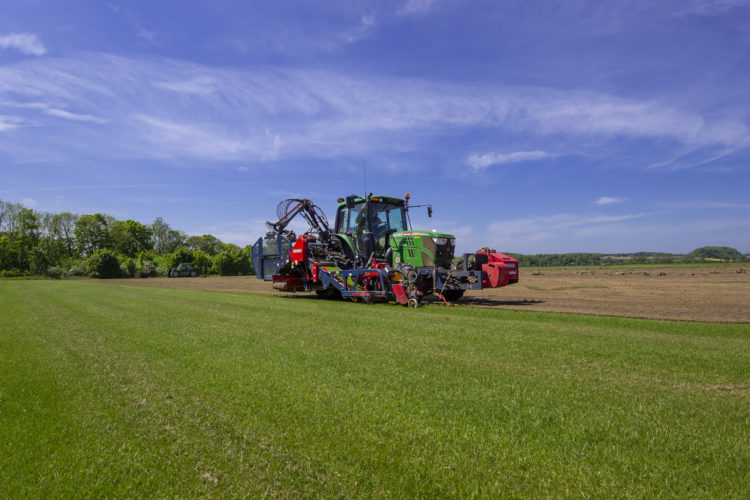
pixel 530 126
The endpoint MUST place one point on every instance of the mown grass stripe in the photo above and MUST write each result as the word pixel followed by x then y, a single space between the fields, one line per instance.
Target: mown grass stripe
pixel 110 390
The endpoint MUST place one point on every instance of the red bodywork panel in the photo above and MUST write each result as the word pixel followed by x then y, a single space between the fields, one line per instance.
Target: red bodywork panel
pixel 288 283
pixel 400 294
pixel 298 254
pixel 500 269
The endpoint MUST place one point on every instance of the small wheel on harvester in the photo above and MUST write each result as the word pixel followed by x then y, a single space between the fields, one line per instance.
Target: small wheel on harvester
pixel 413 303
pixel 412 275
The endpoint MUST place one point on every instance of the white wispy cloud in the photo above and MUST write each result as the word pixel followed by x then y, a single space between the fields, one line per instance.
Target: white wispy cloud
pixel 416 7
pixel 364 29
pixel 167 107
pixel 61 113
pixel 146 34
pixel 627 233
pixel 10 122
pixel 482 161
pixel 565 231
pixel 709 7
pixel 28 43
pixel 609 200
pixel 702 205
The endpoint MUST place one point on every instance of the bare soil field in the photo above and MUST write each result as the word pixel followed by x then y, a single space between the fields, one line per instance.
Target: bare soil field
pixel 700 293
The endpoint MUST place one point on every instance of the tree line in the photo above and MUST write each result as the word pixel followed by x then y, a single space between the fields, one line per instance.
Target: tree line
pixel 98 245
pixel 702 254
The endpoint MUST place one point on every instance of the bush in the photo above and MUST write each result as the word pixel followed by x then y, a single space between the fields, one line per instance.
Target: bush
pixel 104 264
pixel 183 254
pixel 226 264
pixel 146 256
pixel 202 261
pixel 55 272
pixel 246 262
pixel 127 267
pixel 12 273
pixel 77 270
pixel 149 267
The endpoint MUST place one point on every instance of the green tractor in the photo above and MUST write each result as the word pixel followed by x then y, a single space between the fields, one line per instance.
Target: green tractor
pixel 372 253
pixel 183 270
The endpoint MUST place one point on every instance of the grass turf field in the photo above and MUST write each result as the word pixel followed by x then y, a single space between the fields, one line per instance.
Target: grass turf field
pixel 112 390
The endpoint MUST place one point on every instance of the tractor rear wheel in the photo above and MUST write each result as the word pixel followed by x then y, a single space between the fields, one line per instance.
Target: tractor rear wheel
pixel 329 294
pixel 453 295
pixel 193 274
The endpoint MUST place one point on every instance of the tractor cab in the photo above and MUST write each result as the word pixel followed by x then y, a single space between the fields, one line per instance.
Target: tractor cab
pixel 378 227
pixel 365 224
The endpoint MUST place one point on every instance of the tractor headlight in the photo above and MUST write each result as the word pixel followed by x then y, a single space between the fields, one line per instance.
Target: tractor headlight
pixel 441 241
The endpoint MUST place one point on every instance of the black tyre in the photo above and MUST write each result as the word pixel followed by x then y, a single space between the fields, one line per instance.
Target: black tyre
pixel 328 294
pixel 453 295
pixel 193 273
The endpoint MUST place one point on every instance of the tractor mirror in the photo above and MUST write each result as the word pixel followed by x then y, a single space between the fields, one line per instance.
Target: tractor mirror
pixel 350 202
pixel 429 211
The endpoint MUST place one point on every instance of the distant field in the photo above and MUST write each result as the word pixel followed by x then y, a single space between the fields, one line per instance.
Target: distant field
pixel 109 390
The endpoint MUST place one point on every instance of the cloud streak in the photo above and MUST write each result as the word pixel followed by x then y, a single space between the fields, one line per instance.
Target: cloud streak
pixel 481 161
pixel 609 200
pixel 28 43
pixel 170 107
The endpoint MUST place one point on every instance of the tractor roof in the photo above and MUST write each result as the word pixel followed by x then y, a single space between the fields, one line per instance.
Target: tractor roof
pixel 374 198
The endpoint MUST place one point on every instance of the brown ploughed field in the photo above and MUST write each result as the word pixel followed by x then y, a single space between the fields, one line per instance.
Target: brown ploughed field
pixel 714 293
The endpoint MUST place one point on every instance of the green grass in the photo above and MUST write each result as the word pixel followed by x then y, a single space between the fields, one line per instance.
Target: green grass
pixel 111 390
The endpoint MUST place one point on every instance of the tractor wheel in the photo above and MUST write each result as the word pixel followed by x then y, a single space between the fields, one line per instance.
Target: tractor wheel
pixel 175 274
pixel 413 303
pixel 193 273
pixel 329 294
pixel 453 295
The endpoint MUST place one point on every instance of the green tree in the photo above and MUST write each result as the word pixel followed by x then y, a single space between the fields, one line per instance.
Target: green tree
pixel 27 232
pixel 207 243
pixel 64 225
pixel 92 233
pixel 164 238
pixel 246 262
pixel 722 253
pixel 226 264
pixel 130 237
